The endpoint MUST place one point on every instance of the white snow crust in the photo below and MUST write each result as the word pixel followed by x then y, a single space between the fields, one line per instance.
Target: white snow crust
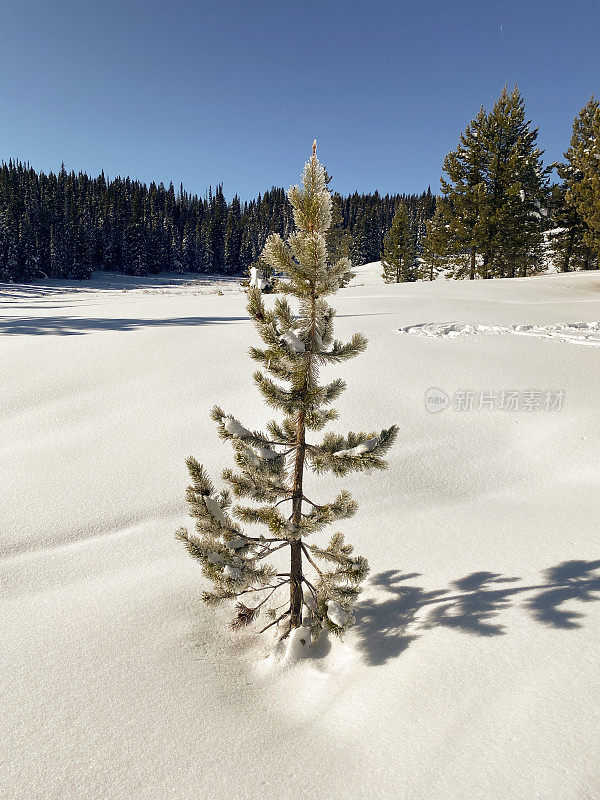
pixel 293 342
pixel 472 669
pixel 234 428
pixel 216 511
pixel 336 613
pixel 364 447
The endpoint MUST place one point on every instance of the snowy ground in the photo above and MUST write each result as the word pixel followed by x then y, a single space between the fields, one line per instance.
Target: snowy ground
pixel 472 671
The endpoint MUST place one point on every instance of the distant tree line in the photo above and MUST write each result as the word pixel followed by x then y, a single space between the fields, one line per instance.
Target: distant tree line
pixel 68 225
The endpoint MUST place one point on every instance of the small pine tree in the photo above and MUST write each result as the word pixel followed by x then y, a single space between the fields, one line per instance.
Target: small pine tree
pixel 398 259
pixel 432 260
pixel 271 465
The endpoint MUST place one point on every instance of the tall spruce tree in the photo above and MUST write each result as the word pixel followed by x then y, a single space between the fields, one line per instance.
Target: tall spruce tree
pixel 493 202
pixel 517 189
pixel 582 173
pixel 271 465
pixel 398 258
pixel 462 207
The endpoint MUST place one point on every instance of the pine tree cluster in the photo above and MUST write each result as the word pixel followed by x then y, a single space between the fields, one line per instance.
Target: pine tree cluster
pixel 498 216
pixel 67 225
pixel 489 221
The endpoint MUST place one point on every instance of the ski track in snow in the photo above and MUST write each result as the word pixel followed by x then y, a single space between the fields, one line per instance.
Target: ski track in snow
pixel 583 333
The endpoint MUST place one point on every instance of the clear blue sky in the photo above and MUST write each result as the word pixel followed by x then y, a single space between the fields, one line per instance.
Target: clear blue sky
pixel 202 92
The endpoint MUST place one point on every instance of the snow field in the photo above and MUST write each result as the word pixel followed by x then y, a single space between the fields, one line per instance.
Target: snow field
pixel 472 669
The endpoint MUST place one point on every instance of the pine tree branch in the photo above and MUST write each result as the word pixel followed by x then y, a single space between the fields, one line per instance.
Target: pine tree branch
pixel 275 621
pixel 314 505
pixel 270 551
pixel 310 586
pixel 310 561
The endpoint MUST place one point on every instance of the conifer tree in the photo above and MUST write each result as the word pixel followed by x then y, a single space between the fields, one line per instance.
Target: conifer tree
pixel 188 247
pixel 516 191
pixel 323 581
pixel 567 239
pixel 398 259
pixel 582 172
pixel 433 247
pixel 493 201
pixel 28 254
pixel 462 207
pixel 233 237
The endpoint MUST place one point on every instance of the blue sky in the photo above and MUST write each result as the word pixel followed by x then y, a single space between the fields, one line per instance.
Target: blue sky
pixel 202 92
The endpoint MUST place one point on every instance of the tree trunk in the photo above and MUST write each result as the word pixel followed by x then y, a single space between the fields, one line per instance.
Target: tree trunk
pixel 296 593
pixel 296 547
pixel 295 585
pixel 569 250
pixel 472 267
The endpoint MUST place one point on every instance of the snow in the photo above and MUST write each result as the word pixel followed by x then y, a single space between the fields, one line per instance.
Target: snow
pixel 293 342
pixel 364 447
pixel 266 453
pixel 336 613
pixel 236 543
pixel 232 572
pixel 234 428
pixel 583 333
pixel 216 511
pixel 474 658
pixel 256 278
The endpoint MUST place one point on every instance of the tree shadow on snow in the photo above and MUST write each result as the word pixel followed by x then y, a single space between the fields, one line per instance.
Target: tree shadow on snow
pixel 76 326
pixel 110 281
pixel 472 605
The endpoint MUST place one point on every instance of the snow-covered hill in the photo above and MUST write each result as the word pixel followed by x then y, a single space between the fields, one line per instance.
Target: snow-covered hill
pixel 472 671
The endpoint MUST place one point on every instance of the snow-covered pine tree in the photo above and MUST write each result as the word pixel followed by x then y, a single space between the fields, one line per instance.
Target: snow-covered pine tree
pixel 323 582
pixel 398 257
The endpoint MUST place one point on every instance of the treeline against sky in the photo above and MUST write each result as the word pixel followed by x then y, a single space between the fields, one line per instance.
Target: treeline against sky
pixel 68 225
